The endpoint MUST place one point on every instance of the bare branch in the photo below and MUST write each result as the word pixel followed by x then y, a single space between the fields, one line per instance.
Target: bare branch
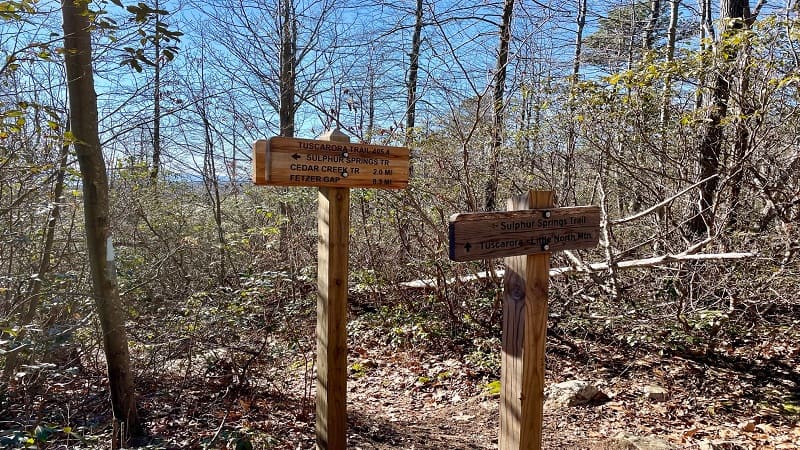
pixel 594 267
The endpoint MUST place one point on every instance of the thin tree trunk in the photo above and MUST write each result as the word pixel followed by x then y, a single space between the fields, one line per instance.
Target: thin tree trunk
pixel 569 159
pixel 666 98
pixel 288 76
pixel 99 248
pixel 672 32
pixel 156 101
pixel 287 108
pixel 498 107
pixel 212 189
pixel 371 105
pixel 706 31
pixel 210 179
pixel 632 38
pixel 650 28
pixel 411 113
pixel 413 73
pixel 581 24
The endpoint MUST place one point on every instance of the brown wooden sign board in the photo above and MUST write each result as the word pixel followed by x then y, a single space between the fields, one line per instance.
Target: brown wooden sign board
pixel 283 161
pixel 511 233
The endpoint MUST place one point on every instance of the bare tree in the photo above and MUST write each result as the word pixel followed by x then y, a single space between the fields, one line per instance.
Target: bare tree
pixel 272 48
pixel 569 163
pixel 99 247
pixel 413 72
pixel 288 66
pixel 498 106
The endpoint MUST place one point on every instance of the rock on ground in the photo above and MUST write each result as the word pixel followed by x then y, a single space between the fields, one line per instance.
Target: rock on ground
pixel 571 393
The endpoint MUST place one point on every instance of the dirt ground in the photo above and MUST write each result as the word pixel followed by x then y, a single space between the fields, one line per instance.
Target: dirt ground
pixel 706 407
pixel 740 398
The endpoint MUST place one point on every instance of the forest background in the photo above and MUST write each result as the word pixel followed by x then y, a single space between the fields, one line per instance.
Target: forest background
pixel 680 119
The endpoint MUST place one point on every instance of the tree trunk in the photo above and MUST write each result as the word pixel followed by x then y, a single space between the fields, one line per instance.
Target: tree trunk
pixel 741 141
pixel 99 249
pixel 370 130
pixel 288 68
pixel 741 147
pixel 212 189
pixel 498 107
pixel 672 32
pixel 568 190
pixel 710 148
pixel 156 101
pixel 413 71
pixel 734 9
pixel 706 31
pixel 650 28
pixel 288 79
pixel 580 21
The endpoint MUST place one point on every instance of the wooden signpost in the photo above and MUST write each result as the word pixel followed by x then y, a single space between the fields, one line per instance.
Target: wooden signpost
pixel 493 235
pixel 335 165
pixel 283 161
pixel 525 234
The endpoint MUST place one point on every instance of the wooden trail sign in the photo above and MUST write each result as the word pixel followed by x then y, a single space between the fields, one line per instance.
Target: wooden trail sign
pixel 526 234
pixel 284 161
pixel 499 234
pixel 324 162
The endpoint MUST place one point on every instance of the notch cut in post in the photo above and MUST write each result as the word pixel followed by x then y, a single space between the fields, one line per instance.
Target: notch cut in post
pixel 525 289
pixel 333 224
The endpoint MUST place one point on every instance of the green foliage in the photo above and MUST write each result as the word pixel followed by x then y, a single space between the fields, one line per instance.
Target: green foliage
pixel 358 370
pixel 366 280
pixel 791 408
pixel 29 118
pixel 492 387
pixel 16 439
pixel 398 326
pixel 151 30
pixel 619 35
pixel 14 10
pixel 485 359
pixel 42 436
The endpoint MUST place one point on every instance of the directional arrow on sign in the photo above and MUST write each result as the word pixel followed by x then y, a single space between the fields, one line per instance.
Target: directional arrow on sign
pixel 277 163
pixel 498 234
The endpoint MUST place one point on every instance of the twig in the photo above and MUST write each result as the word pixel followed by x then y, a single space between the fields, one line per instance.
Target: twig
pixel 757 9
pixel 219 429
pixel 660 204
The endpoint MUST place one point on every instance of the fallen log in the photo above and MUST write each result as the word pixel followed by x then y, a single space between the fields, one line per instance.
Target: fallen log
pixel 432 283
